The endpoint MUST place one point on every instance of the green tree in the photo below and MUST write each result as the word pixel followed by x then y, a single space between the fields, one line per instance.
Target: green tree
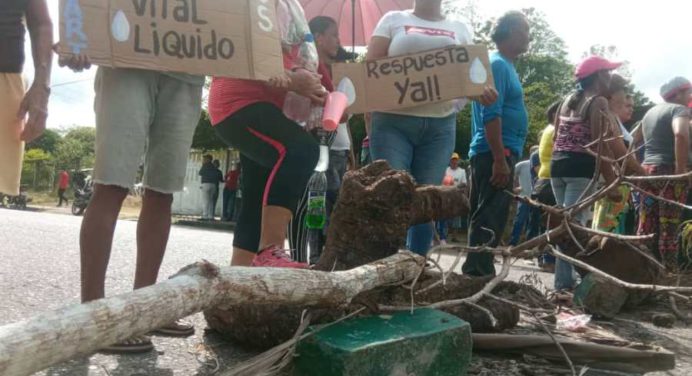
pixel 37 169
pixel 205 137
pixel 641 101
pixel 545 73
pixel 48 142
pixel 76 151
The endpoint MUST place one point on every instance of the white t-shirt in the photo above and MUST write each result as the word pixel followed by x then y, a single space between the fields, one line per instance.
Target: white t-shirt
pixel 523 172
pixel 411 34
pixel 626 135
pixel 341 140
pixel 459 175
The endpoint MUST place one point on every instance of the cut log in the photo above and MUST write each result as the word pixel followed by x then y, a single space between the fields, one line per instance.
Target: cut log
pixel 376 207
pixel 53 337
pixel 635 359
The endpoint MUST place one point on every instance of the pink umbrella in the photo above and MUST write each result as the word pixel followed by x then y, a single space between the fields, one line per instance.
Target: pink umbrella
pixel 356 18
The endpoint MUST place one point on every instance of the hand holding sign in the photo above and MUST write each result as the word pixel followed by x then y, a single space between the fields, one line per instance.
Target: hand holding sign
pixel 77 63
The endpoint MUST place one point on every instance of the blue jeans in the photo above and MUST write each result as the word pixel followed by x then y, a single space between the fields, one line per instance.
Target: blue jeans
pixel 528 218
pixel 520 221
pixel 420 145
pixel 442 228
pixel 567 192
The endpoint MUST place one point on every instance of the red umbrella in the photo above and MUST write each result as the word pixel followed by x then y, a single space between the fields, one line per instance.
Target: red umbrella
pixel 356 18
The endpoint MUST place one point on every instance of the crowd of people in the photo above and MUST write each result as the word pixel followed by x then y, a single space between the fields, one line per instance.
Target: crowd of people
pixel 154 113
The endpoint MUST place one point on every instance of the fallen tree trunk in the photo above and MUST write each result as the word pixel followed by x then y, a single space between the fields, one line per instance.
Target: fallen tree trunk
pixel 376 207
pixel 53 337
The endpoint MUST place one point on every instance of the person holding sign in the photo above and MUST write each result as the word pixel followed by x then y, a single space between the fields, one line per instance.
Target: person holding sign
pixel 137 112
pixel 418 139
pixel 277 154
pixel 15 102
pixel 499 134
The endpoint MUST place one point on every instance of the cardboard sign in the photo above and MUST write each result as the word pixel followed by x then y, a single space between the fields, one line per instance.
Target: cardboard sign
pixel 232 38
pixel 413 80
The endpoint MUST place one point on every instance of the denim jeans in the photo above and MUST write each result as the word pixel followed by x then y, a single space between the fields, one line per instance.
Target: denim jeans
pixel 567 192
pixel 228 203
pixel 528 219
pixel 442 228
pixel 520 221
pixel 420 145
pixel 489 209
pixel 208 207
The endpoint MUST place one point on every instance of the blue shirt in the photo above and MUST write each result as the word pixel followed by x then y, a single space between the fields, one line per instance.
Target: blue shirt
pixel 509 107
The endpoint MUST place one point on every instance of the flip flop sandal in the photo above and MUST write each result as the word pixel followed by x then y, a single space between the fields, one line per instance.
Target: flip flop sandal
pixel 175 329
pixel 132 345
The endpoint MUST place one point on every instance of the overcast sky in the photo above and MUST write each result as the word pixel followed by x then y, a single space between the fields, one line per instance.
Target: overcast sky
pixel 655 37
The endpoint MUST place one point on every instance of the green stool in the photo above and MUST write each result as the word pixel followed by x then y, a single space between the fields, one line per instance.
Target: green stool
pixel 426 343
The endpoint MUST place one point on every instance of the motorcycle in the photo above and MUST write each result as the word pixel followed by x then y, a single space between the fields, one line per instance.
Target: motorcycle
pixel 82 196
pixel 15 202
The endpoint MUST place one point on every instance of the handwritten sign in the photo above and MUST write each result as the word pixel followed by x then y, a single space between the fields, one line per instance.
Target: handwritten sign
pixel 413 80
pixel 233 38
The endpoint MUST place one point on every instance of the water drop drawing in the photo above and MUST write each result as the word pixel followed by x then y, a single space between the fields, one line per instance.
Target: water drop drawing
pixel 346 86
pixel 120 27
pixel 478 74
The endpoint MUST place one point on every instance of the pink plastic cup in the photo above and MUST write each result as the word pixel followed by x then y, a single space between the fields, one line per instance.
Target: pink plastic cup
pixel 334 109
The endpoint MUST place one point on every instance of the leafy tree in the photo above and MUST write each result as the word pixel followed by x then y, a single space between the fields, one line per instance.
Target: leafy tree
pixel 544 71
pixel 641 101
pixel 205 137
pixel 37 168
pixel 48 142
pixel 76 151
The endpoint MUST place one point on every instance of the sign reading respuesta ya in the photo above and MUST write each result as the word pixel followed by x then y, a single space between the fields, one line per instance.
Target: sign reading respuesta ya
pixel 417 79
pixel 233 38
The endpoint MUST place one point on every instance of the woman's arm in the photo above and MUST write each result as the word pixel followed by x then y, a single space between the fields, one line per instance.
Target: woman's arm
pixel 598 118
pixel 378 48
pixel 618 148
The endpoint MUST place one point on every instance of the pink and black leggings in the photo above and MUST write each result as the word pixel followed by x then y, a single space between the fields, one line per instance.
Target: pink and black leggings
pixel 277 158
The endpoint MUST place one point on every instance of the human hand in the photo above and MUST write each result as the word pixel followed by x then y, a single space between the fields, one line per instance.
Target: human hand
pixel 488 97
pixel 614 194
pixel 500 178
pixel 77 63
pixel 35 105
pixel 307 84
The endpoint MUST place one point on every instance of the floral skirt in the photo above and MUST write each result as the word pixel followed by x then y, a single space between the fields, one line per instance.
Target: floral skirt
pixel 660 218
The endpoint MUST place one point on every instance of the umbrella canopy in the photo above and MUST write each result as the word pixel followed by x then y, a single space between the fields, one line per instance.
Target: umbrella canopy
pixel 367 15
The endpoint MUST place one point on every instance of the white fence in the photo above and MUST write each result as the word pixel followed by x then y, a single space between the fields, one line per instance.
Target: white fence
pixel 189 201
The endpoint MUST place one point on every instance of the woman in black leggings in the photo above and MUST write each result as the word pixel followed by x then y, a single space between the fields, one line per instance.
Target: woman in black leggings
pixel 277 155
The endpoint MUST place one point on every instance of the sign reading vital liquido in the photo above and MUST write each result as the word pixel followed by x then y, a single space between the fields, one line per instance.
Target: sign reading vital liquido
pixel 413 80
pixel 233 38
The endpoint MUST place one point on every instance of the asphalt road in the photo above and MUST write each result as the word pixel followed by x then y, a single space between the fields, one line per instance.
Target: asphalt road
pixel 39 272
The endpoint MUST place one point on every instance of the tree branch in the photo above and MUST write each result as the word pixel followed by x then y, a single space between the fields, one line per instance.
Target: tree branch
pixel 614 280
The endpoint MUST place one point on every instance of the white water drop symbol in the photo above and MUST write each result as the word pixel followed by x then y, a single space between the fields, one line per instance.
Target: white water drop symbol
pixel 346 86
pixel 477 73
pixel 120 27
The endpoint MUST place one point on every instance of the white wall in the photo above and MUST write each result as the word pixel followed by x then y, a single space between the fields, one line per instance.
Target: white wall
pixel 189 201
